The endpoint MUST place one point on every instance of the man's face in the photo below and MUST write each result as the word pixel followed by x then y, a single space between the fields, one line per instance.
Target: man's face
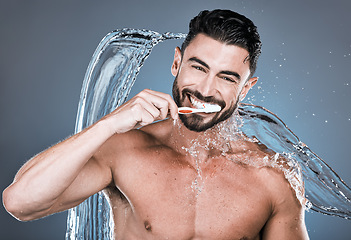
pixel 210 72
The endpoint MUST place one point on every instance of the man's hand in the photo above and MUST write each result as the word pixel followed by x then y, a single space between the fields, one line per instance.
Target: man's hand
pixel 143 109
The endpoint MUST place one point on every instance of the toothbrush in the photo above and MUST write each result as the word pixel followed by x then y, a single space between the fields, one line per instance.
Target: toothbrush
pixel 208 109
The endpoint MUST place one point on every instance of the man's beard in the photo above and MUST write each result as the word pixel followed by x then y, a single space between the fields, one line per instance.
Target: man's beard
pixel 195 122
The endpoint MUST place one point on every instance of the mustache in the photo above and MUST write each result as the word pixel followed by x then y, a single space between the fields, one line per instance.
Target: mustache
pixel 208 99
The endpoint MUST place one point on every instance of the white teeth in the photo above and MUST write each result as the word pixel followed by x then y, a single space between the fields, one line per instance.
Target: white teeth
pixel 200 105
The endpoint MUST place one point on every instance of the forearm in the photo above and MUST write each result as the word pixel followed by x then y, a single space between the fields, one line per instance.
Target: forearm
pixel 41 181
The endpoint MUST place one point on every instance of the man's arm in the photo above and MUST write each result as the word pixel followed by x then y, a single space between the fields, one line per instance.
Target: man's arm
pixel 288 224
pixel 288 215
pixel 66 174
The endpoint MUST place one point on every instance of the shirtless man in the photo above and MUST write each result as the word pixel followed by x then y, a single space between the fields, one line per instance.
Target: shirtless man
pixel 147 172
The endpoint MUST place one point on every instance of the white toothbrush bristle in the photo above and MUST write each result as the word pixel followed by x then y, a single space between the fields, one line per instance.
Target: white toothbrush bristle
pixel 212 108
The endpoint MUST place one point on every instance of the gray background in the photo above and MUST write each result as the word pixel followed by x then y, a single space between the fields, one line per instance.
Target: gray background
pixel 45 47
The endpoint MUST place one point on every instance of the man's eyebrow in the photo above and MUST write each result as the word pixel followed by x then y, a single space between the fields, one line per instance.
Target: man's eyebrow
pixel 195 59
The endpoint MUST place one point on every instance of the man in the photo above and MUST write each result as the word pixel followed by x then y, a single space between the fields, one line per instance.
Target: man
pixel 158 189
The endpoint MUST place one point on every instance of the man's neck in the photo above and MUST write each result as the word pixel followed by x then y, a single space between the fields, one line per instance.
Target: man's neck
pixel 200 145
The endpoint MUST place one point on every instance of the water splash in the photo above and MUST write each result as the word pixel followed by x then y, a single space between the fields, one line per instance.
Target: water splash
pixel 111 74
pixel 109 78
pixel 324 189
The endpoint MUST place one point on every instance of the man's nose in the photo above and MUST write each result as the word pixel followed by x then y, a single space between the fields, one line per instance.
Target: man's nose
pixel 208 86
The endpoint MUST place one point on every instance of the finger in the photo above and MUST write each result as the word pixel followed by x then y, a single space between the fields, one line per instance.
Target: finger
pixel 155 102
pixel 163 107
pixel 166 107
pixel 146 118
pixel 144 113
pixel 146 109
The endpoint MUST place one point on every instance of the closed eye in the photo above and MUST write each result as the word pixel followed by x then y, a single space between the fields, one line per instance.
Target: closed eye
pixel 230 76
pixel 228 79
pixel 199 68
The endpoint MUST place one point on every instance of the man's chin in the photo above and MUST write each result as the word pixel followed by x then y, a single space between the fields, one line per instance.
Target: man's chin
pixel 196 123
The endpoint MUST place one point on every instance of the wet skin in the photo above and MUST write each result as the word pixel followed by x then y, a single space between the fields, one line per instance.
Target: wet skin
pixel 154 196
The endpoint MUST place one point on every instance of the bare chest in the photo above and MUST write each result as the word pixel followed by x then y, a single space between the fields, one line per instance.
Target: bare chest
pixel 177 201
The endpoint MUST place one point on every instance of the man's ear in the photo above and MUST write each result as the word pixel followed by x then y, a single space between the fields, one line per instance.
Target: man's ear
pixel 176 61
pixel 248 85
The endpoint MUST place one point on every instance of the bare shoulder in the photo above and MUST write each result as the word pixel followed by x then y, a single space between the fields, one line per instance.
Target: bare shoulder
pixel 128 141
pixel 279 172
pixel 122 146
pixel 282 180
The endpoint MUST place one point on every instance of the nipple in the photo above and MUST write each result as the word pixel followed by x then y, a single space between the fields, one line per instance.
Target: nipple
pixel 147 226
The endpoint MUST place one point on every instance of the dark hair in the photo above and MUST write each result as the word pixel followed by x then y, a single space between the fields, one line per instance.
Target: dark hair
pixel 228 27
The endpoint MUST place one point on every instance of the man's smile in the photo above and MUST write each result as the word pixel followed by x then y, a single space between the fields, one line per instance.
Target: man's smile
pixel 198 101
pixel 200 104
